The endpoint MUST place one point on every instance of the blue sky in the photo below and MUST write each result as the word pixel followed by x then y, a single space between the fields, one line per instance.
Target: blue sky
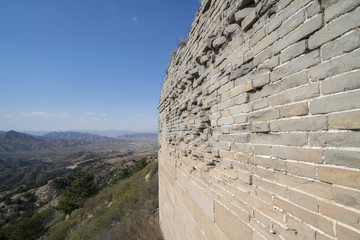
pixel 86 64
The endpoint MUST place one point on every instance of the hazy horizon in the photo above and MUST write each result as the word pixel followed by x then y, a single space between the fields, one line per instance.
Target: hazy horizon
pixel 107 133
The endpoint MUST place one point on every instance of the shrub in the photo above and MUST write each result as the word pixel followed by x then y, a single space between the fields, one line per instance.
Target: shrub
pixel 80 189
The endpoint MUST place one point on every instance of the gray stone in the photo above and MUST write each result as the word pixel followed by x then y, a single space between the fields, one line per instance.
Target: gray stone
pixel 303 30
pixel 335 139
pixel 313 9
pixel 341 45
pixel 297 109
pixel 226 121
pixel 294 95
pixel 296 65
pixel 295 80
pixel 301 124
pixel 218 42
pixel 339 8
pixel 294 139
pixel 261 80
pixel 345 158
pixel 260 127
pixel 231 28
pixel 249 20
pixel 292 23
pixel 345 82
pixel 264 115
pixel 335 28
pixel 204 59
pixel 241 14
pixel 345 120
pixel 335 103
pixel 293 51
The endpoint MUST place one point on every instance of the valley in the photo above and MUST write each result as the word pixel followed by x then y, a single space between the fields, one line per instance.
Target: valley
pixel 35 170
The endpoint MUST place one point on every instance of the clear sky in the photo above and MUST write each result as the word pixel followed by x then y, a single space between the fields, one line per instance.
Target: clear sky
pixel 86 64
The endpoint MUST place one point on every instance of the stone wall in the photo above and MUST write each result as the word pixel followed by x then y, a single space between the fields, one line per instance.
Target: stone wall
pixel 259 123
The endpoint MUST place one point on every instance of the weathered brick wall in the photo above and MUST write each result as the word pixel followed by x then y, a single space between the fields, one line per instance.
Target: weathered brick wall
pixel 259 123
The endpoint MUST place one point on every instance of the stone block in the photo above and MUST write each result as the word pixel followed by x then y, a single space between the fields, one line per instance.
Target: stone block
pixel 230 224
pixel 313 9
pixel 242 118
pixel 260 104
pixel 267 90
pixel 322 190
pixel 308 217
pixel 231 28
pixel 193 208
pixel 344 82
pixel 218 42
pixel 303 200
pixel 334 103
pixel 339 176
pixel 203 200
pixel 335 139
pixel 260 34
pixel 275 164
pixel 261 80
pixel 340 157
pixel 299 154
pixel 260 127
pixel 261 45
pixel 348 217
pixel 242 13
pixel 297 109
pixel 293 51
pixel 290 24
pixel 249 20
pixel 335 28
pixel 239 109
pixel 339 8
pixel 243 98
pixel 300 124
pixel 261 138
pixel 264 115
pixel 226 87
pixel 335 66
pixel 294 80
pixel 204 59
pixel 294 139
pixel 346 196
pixel 296 65
pixel 300 32
pixel 271 186
pixel 225 146
pixel 303 231
pixel 301 169
pixel 262 150
pixel 345 233
pixel 346 120
pixel 226 121
pixel 342 45
pixel 211 231
pixel 241 87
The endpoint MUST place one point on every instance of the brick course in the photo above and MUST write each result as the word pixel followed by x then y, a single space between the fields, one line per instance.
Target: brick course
pixel 259 123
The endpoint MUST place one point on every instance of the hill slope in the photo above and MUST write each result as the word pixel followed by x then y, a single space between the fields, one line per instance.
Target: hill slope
pixel 91 138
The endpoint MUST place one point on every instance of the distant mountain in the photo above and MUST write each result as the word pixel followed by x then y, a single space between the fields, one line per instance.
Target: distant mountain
pixel 14 141
pixel 139 136
pixel 107 133
pixel 91 138
pixel 35 133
